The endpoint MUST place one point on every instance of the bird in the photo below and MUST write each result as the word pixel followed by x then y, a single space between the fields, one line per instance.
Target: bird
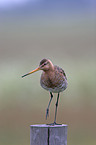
pixel 53 79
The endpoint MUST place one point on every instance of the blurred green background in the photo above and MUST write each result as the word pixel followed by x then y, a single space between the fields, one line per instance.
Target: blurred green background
pixel 60 30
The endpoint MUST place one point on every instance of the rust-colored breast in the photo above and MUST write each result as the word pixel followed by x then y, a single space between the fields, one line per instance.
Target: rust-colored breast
pixel 53 79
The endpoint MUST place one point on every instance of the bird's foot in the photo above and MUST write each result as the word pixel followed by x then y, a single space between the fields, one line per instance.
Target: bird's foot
pixel 54 123
pixel 47 113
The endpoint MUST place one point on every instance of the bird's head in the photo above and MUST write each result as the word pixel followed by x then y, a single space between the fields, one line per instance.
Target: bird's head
pixel 45 65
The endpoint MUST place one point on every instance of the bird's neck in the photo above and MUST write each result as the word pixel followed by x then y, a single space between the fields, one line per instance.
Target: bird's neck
pixel 51 69
pixel 51 66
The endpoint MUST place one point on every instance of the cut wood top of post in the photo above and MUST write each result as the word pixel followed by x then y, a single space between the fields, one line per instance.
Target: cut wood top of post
pixel 51 126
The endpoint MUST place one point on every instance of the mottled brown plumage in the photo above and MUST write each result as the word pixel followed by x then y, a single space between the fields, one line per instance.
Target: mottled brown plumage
pixel 53 79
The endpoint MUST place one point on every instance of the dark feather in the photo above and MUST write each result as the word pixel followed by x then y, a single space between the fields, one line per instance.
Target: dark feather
pixel 43 61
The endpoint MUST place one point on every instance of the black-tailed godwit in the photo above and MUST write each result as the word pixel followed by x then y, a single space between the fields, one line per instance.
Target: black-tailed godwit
pixel 53 79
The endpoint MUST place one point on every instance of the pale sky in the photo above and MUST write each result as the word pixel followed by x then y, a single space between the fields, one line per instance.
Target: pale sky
pixel 11 3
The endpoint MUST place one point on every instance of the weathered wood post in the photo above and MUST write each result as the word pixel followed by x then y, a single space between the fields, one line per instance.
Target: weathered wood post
pixel 48 135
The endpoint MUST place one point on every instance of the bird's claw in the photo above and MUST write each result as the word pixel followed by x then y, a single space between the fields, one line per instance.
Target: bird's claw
pixel 54 123
pixel 47 113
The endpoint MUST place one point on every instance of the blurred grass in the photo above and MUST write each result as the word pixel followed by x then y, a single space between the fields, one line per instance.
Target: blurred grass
pixel 23 102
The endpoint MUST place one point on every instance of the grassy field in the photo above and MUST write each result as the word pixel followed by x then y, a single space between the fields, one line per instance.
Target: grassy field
pixel 23 102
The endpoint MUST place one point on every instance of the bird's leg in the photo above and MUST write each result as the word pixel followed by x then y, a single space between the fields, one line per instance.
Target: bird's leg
pixel 56 109
pixel 47 110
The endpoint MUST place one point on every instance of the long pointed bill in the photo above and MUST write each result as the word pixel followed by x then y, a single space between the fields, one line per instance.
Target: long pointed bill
pixel 31 72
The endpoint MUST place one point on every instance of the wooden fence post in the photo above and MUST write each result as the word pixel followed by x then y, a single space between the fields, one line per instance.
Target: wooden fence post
pixel 48 135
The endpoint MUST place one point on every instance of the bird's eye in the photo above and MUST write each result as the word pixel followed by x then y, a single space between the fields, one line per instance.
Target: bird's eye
pixel 44 64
